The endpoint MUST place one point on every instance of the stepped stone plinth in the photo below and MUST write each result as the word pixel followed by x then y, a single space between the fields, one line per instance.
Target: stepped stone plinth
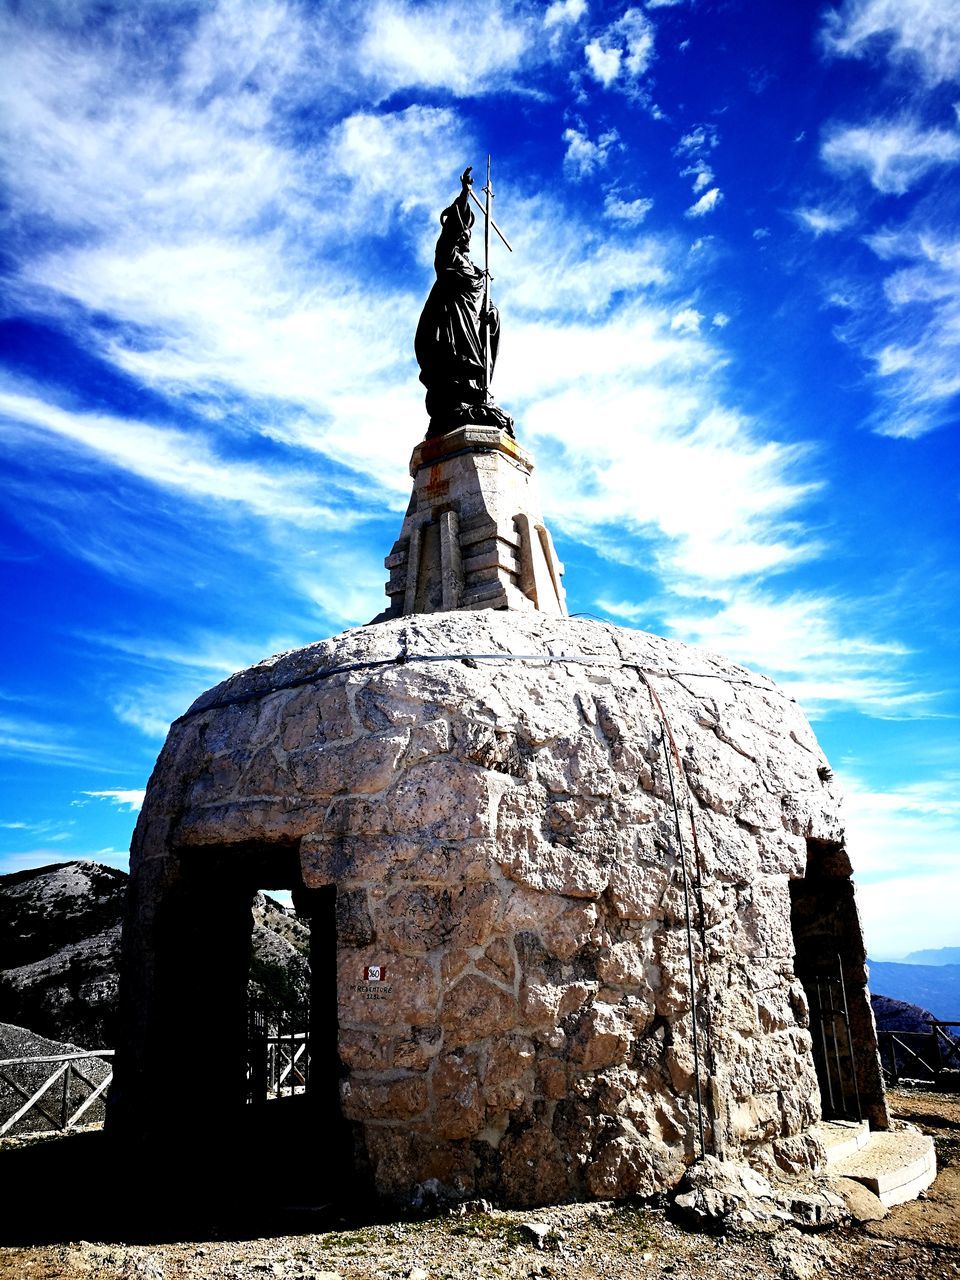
pixel 473 536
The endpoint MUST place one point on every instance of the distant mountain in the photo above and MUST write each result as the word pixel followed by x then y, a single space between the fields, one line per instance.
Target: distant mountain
pixel 939 956
pixel 933 987
pixel 60 952
pixel 897 1015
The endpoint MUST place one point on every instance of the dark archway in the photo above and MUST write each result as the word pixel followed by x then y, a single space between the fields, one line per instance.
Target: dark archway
pixel 187 1083
pixel 830 962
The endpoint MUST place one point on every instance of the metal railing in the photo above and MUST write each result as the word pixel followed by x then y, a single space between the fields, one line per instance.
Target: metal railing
pixel 920 1055
pixel 65 1072
pixel 278 1055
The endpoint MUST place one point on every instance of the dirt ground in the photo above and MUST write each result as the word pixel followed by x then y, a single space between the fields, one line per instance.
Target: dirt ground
pixel 38 1240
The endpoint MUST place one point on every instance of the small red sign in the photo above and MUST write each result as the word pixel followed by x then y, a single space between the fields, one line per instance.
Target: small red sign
pixel 375 973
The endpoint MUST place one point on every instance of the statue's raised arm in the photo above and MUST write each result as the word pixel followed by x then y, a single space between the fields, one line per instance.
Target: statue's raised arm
pixel 452 334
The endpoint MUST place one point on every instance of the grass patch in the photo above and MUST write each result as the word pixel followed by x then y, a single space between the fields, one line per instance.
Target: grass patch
pixel 632 1225
pixel 486 1227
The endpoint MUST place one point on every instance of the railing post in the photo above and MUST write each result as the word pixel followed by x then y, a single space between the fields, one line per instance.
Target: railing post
pixel 65 1108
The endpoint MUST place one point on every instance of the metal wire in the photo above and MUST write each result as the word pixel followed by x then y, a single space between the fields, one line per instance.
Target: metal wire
pixel 404 657
pixel 666 731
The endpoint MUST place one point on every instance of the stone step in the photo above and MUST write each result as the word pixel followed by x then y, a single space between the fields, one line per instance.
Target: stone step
pixel 842 1137
pixel 895 1165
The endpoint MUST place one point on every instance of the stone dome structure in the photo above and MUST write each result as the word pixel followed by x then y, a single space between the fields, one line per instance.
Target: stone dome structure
pixel 572 889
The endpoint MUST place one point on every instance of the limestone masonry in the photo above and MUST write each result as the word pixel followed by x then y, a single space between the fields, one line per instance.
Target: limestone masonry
pixel 473 536
pixel 486 794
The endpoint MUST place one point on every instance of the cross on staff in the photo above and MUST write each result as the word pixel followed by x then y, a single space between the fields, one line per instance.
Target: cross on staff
pixel 488 222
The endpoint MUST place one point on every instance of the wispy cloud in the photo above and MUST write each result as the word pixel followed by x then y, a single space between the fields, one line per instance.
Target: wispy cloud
pixel 824 221
pixel 53 831
pixel 909 330
pixel 922 34
pixel 438 45
pixel 52 744
pixel 631 212
pixel 170 458
pixel 812 645
pixel 583 156
pixel 126 801
pixel 894 155
pixel 706 204
pixel 621 54
pixel 903 842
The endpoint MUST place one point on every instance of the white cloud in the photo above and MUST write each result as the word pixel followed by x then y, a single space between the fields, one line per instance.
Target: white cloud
pixel 921 33
pixel 720 320
pixel 761 233
pixel 354 594
pixel 634 447
pixel 153 708
pixel 915 347
pixel 604 63
pixel 701 173
pixel 903 843
pixel 626 47
pixel 172 459
pixel 629 610
pixel 440 45
pixel 810 644
pixel 567 268
pixel 51 744
pixel 199 228
pixel 894 155
pixel 703 137
pixel 563 11
pixel 703 178
pixel 688 320
pixel 126 801
pixel 582 156
pixel 824 221
pixel 706 204
pixel 629 212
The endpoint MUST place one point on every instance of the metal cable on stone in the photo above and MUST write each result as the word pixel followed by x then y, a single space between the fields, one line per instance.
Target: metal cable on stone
pixel 403 657
pixel 666 732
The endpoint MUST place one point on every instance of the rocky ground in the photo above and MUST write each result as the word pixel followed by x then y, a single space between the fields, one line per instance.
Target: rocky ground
pixel 915 1241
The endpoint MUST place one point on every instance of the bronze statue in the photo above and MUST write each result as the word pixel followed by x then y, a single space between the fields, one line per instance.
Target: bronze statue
pixel 459 330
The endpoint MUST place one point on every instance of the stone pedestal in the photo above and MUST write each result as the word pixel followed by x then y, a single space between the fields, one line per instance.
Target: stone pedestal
pixel 473 536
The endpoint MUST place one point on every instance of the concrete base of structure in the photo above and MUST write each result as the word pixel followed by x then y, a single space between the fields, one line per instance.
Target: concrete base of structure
pixel 896 1165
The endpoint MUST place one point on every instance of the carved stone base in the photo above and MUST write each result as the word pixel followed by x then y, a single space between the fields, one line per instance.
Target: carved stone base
pixel 473 536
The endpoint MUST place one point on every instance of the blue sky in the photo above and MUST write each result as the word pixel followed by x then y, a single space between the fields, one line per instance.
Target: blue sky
pixel 731 337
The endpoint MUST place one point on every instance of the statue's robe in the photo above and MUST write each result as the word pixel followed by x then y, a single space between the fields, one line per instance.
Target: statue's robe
pixel 450 336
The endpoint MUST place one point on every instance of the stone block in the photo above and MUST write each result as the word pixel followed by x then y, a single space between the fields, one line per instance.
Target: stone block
pixel 476 1008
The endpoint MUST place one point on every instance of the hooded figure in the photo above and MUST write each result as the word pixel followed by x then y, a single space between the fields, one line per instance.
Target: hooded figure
pixel 449 342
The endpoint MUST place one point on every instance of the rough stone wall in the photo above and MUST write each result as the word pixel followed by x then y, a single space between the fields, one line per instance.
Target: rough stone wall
pixel 504 847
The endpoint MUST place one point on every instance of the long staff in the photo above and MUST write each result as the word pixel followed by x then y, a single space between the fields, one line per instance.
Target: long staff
pixel 488 195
